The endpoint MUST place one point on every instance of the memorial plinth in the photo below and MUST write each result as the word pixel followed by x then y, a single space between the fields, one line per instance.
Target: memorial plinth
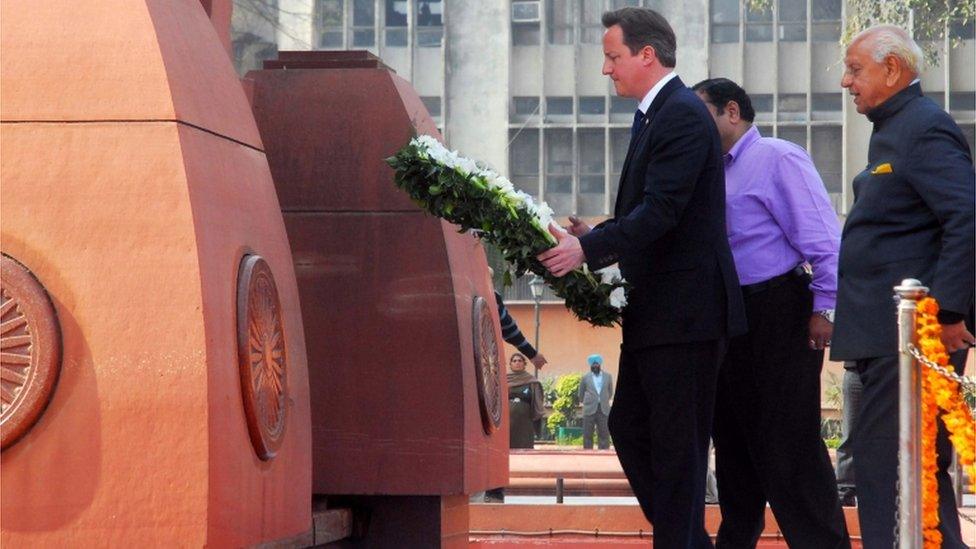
pixel 398 309
pixel 137 195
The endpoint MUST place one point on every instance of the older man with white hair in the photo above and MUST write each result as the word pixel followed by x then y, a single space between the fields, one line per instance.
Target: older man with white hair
pixel 914 216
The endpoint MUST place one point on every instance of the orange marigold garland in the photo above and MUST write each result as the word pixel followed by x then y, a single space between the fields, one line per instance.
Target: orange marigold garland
pixel 931 536
pixel 939 392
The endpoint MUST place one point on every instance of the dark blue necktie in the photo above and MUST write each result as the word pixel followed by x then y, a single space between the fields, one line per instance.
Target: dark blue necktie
pixel 638 120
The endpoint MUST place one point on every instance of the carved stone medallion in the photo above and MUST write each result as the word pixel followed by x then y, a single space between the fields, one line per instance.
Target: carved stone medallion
pixel 261 355
pixel 487 366
pixel 30 350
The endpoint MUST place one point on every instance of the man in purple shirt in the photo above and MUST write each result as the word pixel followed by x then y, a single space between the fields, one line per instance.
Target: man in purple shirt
pixel 767 410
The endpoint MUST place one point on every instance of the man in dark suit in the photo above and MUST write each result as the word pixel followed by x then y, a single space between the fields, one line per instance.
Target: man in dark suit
pixel 668 235
pixel 913 217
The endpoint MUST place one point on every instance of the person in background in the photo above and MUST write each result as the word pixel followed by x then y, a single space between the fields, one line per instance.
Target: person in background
pixel 595 392
pixel 768 446
pixel 851 390
pixel 526 403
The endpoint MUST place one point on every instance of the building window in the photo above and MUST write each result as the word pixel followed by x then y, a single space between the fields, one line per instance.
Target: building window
pixel 826 20
pixel 559 170
pixel 591 27
pixel 523 158
pixel 524 107
pixel 396 23
pixel 525 34
pixel 363 23
pixel 433 104
pixel 762 103
pixel 525 23
pixel 559 20
pixel 725 21
pixel 592 108
pixel 622 109
pixel 793 20
pixel 592 171
pixel 559 108
pixel 329 22
pixel 960 28
pixel 962 101
pixel 430 23
pixel 827 152
pixel 827 106
pixel 794 134
pixel 792 107
pixel 759 25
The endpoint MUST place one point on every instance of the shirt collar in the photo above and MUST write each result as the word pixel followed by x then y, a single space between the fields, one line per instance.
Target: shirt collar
pixel 751 136
pixel 649 98
pixel 895 103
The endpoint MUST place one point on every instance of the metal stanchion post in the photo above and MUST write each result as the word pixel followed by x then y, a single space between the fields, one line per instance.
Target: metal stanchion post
pixel 909 419
pixel 537 286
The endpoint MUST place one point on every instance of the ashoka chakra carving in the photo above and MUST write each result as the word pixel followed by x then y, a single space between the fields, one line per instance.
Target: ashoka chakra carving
pixel 261 355
pixel 486 364
pixel 30 350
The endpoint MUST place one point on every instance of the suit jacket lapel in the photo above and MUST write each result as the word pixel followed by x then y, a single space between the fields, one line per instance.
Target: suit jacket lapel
pixel 659 100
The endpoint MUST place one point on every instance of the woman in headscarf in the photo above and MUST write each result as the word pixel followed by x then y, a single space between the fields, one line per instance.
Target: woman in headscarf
pixel 525 403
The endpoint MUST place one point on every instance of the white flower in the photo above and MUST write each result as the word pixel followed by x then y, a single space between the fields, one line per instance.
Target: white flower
pixel 618 299
pixel 466 166
pixel 609 275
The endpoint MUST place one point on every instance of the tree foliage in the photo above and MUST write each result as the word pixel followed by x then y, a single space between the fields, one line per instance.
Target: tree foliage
pixel 929 20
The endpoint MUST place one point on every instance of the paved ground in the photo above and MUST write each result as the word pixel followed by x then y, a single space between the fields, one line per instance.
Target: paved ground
pixel 600 520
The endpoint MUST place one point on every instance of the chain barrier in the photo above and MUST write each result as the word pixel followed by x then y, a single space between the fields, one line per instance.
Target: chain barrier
pixel 966 384
pixel 969 383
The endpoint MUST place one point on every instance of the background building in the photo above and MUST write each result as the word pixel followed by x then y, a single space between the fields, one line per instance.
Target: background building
pixel 518 84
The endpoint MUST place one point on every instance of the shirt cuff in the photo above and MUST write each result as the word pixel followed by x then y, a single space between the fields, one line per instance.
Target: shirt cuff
pixel 823 302
pixel 949 317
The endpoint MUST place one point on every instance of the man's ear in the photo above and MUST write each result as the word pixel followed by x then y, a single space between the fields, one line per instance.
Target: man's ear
pixel 892 70
pixel 648 55
pixel 733 109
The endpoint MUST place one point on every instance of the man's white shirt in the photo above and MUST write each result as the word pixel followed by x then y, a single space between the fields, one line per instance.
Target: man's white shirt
pixel 649 98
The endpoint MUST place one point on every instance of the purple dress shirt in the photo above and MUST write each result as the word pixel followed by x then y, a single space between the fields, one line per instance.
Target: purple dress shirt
pixel 778 215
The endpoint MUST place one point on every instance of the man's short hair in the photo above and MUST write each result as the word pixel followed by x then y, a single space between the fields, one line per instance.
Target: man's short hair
pixel 720 91
pixel 645 27
pixel 892 40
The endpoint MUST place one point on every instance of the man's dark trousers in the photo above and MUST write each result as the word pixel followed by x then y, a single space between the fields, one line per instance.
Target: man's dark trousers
pixel 660 423
pixel 876 457
pixel 768 445
pixel 597 421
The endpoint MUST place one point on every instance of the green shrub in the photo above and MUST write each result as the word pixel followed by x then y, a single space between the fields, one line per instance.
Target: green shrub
pixel 566 403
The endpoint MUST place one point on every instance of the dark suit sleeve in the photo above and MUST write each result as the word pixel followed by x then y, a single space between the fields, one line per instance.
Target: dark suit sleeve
pixel 677 156
pixel 942 174
pixel 610 383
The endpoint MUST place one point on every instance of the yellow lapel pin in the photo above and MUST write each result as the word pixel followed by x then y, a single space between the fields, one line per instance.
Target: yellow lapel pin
pixel 881 169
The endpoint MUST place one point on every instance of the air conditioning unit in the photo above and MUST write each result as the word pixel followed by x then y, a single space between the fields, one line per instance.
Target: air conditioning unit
pixel 526 12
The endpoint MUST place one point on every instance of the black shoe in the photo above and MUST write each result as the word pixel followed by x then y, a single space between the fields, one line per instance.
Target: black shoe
pixel 848 499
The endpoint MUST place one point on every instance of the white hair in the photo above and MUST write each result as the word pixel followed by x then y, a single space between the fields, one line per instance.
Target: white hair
pixel 891 40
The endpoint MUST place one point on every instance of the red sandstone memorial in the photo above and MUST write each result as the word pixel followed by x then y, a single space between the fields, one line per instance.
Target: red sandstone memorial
pixel 408 409
pixel 155 387
pixel 154 380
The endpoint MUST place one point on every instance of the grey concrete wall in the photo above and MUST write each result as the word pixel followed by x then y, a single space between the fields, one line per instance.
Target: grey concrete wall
pixel 476 73
pixel 689 20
